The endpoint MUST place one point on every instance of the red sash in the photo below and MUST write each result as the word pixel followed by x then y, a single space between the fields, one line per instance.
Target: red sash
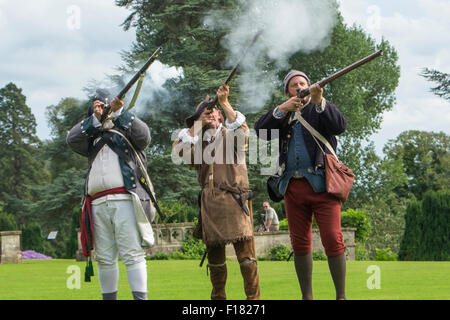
pixel 87 228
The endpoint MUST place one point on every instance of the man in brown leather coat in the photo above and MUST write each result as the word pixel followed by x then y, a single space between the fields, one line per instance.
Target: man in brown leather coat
pixel 226 215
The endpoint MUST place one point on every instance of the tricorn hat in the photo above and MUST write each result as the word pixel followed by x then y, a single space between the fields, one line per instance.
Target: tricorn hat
pixel 198 111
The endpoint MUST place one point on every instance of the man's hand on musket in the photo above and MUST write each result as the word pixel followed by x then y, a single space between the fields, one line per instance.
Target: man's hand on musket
pixel 316 94
pixel 293 104
pixel 116 104
pixel 222 96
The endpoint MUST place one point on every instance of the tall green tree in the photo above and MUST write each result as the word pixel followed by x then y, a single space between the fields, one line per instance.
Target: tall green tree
pixel 426 159
pixel 20 159
pixel 59 201
pixel 61 118
pixel 427 228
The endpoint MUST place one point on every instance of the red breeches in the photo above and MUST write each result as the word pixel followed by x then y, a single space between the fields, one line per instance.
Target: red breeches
pixel 301 204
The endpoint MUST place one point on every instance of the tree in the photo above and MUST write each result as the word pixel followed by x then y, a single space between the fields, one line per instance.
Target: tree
pixel 32 238
pixel 426 159
pixel 61 118
pixel 427 228
pixel 20 158
pixel 7 221
pixel 55 207
pixel 173 182
pixel 443 79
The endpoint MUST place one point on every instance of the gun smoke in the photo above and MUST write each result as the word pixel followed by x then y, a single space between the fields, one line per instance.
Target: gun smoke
pixel 288 27
pixel 152 86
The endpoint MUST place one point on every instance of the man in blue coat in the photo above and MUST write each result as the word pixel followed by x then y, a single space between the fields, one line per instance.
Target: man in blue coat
pixel 301 167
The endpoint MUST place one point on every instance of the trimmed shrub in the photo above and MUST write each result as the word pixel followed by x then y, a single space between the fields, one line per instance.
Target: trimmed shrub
pixel 385 255
pixel 319 255
pixel 356 219
pixel 279 253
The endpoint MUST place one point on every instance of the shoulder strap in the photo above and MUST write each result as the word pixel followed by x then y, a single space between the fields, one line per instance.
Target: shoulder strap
pixel 317 135
pixel 145 179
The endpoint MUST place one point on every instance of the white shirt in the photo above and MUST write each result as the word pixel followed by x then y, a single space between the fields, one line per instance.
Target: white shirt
pixel 271 214
pixel 105 171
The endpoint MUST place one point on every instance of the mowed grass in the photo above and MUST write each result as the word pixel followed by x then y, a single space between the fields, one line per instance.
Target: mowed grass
pixel 185 280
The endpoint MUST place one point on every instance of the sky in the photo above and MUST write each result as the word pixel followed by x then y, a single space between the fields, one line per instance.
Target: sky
pixel 52 49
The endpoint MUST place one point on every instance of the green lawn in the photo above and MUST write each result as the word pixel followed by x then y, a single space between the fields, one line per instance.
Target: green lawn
pixel 184 280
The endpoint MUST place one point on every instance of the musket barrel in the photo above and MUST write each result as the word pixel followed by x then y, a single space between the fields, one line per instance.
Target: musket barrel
pixel 213 102
pixel 305 92
pixel 135 78
pixel 123 92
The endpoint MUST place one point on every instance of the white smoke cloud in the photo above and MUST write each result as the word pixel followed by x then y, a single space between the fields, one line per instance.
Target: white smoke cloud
pixel 288 27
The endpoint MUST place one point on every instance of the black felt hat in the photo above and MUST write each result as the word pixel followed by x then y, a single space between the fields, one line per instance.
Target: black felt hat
pixel 102 95
pixel 198 111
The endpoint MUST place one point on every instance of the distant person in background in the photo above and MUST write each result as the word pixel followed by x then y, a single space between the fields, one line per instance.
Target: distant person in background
pixel 271 218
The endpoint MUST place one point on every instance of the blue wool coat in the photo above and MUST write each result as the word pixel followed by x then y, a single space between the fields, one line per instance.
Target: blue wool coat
pixel 81 138
pixel 330 123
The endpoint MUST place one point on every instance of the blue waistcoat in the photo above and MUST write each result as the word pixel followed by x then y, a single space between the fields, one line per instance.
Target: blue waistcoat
pixel 299 164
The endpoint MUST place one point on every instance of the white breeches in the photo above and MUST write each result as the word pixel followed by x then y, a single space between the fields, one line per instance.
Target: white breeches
pixel 116 233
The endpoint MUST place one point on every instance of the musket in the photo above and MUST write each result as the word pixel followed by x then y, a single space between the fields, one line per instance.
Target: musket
pixel 212 102
pixel 123 92
pixel 305 92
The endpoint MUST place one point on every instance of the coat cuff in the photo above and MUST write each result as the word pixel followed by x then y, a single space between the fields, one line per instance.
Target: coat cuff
pixel 240 119
pixel 277 114
pixel 124 121
pixel 89 126
pixel 321 107
pixel 185 137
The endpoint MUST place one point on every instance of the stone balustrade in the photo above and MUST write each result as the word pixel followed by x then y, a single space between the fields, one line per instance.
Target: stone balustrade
pixel 169 238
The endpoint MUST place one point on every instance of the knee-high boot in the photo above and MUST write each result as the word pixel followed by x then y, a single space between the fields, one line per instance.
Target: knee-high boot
pixel 303 268
pixel 249 271
pixel 218 275
pixel 337 265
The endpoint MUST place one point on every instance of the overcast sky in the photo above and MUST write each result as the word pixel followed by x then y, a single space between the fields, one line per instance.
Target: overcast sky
pixel 52 48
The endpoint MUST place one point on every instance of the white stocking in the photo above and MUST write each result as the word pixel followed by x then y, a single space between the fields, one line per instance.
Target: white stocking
pixel 109 277
pixel 137 277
